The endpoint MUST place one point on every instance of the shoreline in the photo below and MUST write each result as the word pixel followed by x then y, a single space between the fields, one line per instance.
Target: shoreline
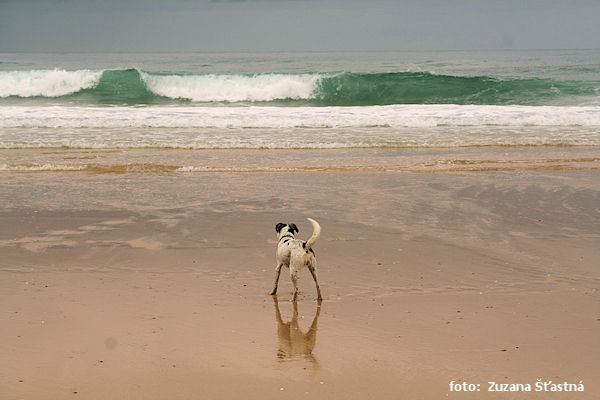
pixel 417 160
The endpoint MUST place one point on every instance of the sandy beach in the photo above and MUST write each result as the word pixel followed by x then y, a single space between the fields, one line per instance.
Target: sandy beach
pixel 154 285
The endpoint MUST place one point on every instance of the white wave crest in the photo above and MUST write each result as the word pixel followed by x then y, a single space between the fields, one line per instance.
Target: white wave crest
pixel 233 88
pixel 47 83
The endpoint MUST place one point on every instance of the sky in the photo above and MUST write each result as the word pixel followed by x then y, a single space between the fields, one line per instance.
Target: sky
pixel 296 25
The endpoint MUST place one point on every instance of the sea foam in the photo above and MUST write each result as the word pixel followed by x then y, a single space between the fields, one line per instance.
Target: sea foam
pixel 297 117
pixel 297 127
pixel 46 83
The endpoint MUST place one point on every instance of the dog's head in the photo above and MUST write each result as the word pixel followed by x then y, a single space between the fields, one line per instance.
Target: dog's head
pixel 283 229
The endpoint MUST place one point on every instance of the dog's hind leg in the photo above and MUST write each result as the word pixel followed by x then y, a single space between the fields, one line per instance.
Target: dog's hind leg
pixel 277 272
pixel 313 272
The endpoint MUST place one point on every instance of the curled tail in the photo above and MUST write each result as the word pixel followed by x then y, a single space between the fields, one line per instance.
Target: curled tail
pixel 316 233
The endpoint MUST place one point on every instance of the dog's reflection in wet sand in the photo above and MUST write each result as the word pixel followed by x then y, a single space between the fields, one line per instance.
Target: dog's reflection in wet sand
pixel 294 343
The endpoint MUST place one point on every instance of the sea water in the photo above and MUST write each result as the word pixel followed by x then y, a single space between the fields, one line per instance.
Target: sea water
pixel 300 100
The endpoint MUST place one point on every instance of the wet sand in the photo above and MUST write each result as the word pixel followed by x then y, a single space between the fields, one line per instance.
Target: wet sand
pixel 155 285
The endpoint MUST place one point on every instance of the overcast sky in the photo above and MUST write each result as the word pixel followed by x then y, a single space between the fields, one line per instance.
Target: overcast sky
pixel 296 25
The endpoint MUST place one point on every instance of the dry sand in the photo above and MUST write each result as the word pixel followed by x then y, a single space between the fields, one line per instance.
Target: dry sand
pixel 154 286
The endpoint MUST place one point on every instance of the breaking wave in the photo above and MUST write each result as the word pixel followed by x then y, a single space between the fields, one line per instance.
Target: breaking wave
pixel 135 87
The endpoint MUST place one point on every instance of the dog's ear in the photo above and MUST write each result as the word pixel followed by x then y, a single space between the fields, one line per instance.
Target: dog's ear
pixel 293 228
pixel 279 227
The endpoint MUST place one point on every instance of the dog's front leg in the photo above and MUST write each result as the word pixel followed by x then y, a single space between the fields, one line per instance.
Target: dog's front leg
pixel 277 272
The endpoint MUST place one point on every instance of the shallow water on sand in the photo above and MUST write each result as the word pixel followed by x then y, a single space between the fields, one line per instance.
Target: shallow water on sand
pixel 424 160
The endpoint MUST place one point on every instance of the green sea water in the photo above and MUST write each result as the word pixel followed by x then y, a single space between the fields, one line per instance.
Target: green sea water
pixel 344 79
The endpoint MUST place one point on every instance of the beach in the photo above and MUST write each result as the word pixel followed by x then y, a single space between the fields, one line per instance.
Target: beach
pixel 141 273
pixel 458 194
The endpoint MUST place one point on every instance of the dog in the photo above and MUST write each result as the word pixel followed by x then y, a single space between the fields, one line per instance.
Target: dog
pixel 296 254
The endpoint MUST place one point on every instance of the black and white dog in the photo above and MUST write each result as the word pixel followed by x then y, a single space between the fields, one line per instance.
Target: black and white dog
pixel 296 254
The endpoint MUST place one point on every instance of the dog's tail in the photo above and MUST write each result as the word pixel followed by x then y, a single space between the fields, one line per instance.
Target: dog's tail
pixel 316 233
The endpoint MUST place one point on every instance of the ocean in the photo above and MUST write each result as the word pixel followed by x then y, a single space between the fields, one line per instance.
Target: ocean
pixel 386 100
